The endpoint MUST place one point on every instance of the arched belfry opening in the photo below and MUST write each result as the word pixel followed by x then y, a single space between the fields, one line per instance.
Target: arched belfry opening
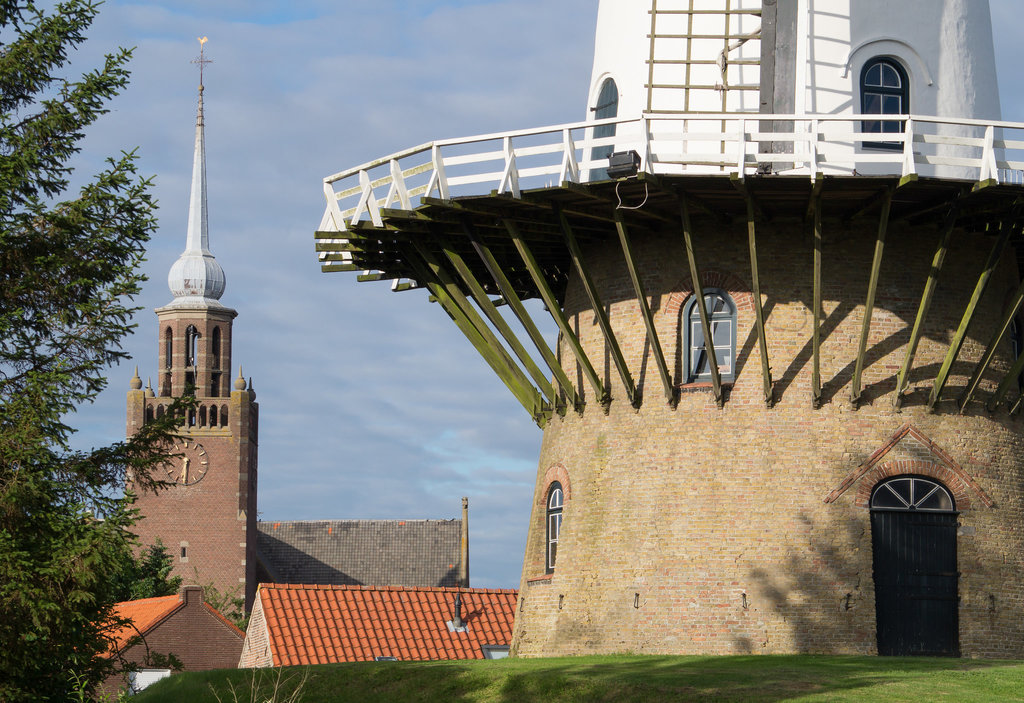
pixel 913 539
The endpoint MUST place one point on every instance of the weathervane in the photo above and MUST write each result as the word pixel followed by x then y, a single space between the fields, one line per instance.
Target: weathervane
pixel 202 60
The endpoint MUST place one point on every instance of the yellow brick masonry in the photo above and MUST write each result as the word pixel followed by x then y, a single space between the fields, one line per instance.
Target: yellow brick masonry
pixel 705 529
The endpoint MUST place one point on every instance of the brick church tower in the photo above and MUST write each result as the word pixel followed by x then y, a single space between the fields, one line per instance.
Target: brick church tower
pixel 207 519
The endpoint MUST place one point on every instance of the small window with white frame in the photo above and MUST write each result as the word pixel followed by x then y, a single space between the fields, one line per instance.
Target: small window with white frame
pixel 722 321
pixel 555 504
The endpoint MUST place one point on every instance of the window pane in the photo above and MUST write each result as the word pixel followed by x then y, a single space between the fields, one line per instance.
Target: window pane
pixel 890 78
pixel 721 332
pixel 939 500
pixel 724 359
pixel 892 105
pixel 901 487
pixel 555 500
pixel 873 76
pixel 884 498
pixel 872 103
pixel 699 362
pixel 696 334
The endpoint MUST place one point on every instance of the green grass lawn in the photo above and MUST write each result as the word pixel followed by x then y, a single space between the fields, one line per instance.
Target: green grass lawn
pixel 618 679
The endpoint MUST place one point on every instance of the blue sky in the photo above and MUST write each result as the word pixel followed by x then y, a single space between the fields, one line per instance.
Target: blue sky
pixel 372 404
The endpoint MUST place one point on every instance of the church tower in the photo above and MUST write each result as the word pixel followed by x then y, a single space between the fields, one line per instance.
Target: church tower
pixel 784 256
pixel 207 518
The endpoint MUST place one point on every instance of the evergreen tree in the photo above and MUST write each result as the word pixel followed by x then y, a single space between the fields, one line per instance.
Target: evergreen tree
pixel 68 270
pixel 146 576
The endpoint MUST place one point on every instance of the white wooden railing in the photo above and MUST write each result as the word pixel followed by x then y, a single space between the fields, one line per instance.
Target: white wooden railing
pixel 741 144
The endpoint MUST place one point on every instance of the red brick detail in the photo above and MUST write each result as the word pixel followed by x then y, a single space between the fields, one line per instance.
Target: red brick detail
pixel 946 470
pixel 731 284
pixel 557 472
pixel 949 478
pixel 325 624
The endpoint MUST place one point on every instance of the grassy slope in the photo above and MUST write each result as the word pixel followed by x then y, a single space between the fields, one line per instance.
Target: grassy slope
pixel 620 679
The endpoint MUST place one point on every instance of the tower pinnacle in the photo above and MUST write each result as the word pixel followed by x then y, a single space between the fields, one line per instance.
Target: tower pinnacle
pixel 196 278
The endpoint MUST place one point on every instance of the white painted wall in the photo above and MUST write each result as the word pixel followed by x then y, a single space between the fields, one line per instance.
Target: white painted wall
pixel 945 46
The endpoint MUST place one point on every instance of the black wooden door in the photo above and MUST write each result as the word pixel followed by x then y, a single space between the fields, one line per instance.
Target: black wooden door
pixel 916 602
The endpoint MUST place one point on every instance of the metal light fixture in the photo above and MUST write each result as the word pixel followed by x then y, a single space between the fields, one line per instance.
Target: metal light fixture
pixel 623 164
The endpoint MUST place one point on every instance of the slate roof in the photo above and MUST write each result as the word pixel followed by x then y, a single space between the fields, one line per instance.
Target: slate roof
pixel 360 552
pixel 324 624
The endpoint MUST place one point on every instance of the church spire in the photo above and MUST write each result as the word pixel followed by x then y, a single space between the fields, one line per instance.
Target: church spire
pixel 196 278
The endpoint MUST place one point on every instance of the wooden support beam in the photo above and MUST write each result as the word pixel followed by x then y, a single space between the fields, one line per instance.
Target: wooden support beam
pixel 990 349
pixel 519 310
pixel 453 293
pixel 485 304
pixel 702 308
pixel 740 184
pixel 814 202
pixel 926 302
pixel 645 309
pixel 1017 406
pixel 548 296
pixel 766 371
pixel 882 196
pixel 333 267
pixel 1008 382
pixel 1005 229
pixel 527 396
pixel 815 206
pixel 869 304
pixel 602 317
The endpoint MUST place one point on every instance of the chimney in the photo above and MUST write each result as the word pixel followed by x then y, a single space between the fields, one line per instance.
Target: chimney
pixel 464 546
pixel 457 618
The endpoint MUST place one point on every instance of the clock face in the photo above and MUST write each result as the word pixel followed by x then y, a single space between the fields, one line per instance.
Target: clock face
pixel 191 464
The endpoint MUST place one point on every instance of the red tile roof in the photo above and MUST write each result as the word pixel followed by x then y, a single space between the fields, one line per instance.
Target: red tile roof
pixel 144 614
pixel 324 624
pixel 147 613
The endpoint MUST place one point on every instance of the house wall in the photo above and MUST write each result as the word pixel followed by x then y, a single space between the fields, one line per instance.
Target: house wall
pixel 193 634
pixel 705 529
pixel 256 650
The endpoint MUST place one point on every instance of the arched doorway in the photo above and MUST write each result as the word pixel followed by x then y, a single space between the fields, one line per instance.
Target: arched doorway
pixel 913 537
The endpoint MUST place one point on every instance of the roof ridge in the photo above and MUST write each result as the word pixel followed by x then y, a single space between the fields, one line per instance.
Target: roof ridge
pixel 361 587
pixel 337 520
pixel 176 596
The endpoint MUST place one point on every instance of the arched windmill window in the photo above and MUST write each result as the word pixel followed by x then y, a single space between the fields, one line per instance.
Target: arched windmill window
pixel 912 493
pixel 884 90
pixel 722 320
pixel 554 523
pixel 607 107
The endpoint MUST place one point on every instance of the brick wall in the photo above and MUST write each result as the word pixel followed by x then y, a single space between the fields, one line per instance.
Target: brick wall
pixel 705 529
